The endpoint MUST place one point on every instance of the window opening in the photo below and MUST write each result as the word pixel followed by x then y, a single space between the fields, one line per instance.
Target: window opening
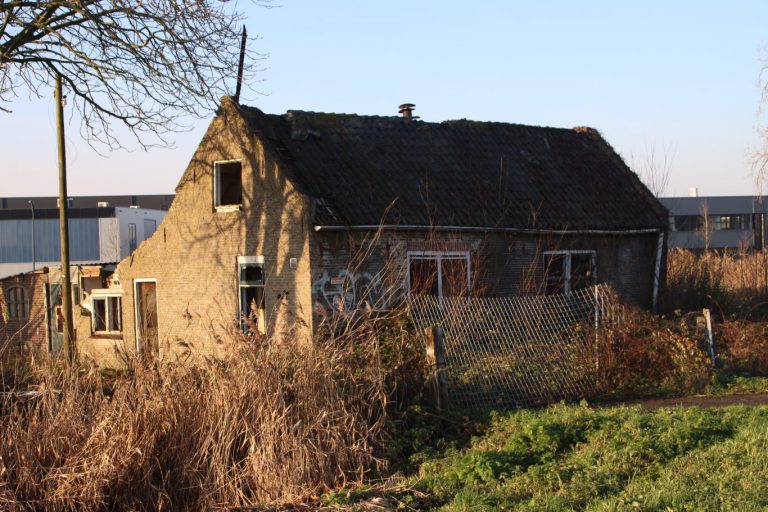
pixel 18 303
pixel 228 183
pixel 567 271
pixel 107 313
pixel 251 283
pixel 131 237
pixel 439 274
pixel 150 226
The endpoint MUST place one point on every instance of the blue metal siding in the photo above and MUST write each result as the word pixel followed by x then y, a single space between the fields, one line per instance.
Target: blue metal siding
pixel 16 240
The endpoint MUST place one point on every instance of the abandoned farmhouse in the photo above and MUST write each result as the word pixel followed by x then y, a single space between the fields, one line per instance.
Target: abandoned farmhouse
pixel 282 221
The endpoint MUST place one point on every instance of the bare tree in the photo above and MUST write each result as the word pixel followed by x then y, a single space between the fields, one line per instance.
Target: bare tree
pixel 143 65
pixel 705 228
pixel 656 167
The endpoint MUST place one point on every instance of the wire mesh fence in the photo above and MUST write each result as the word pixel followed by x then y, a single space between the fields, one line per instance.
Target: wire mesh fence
pixel 516 351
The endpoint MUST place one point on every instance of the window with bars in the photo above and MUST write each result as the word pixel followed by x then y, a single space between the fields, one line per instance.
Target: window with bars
pixel 17 300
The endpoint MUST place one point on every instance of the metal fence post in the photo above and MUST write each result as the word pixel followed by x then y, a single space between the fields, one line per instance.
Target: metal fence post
pixel 435 342
pixel 710 338
pixel 597 327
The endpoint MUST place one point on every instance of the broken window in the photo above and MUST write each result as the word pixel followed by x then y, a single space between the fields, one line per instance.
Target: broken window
pixel 423 276
pixel 228 183
pixel 439 274
pixel 107 314
pixel 251 287
pixel 18 303
pixel 567 271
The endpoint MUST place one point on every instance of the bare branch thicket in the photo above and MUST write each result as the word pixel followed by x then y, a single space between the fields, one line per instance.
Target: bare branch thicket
pixel 705 228
pixel 655 168
pixel 143 66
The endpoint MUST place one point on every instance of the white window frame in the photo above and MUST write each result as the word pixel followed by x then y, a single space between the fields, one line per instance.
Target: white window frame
pixel 439 256
pixel 251 260
pixel 136 282
pixel 217 187
pixel 567 270
pixel 107 318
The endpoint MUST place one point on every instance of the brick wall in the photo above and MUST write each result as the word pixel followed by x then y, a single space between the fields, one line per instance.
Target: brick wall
pixel 346 263
pixel 27 337
pixel 193 254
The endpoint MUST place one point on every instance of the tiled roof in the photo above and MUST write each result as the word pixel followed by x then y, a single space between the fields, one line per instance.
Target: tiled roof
pixel 366 169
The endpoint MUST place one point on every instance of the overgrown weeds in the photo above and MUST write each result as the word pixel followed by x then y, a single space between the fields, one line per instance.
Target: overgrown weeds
pixel 733 283
pixel 578 458
pixel 269 424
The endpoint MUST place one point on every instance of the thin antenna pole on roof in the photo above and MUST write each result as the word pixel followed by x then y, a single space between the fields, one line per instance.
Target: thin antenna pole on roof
pixel 240 67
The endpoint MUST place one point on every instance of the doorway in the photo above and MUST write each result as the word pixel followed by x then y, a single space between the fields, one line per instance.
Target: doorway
pixel 145 303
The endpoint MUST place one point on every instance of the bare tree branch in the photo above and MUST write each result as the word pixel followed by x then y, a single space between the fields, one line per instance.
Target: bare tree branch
pixel 655 167
pixel 143 65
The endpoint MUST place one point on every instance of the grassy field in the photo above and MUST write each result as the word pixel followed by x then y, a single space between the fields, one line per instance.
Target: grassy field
pixel 579 458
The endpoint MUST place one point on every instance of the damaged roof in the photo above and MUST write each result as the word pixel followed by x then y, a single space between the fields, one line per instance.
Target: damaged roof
pixel 365 170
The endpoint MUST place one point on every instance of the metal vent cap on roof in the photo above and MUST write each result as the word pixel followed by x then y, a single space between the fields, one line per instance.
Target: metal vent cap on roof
pixel 406 110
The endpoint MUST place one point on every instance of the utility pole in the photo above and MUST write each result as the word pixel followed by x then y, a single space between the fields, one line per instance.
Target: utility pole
pixel 240 66
pixel 66 285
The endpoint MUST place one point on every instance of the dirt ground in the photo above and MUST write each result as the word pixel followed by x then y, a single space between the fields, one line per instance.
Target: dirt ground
pixel 652 404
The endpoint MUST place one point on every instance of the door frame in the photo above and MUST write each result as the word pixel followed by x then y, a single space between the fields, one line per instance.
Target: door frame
pixel 136 282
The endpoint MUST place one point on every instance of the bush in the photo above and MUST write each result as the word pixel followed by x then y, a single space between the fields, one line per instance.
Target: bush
pixel 743 347
pixel 644 355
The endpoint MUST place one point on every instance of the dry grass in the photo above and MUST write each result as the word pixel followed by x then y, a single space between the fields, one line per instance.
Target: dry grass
pixel 268 425
pixel 732 283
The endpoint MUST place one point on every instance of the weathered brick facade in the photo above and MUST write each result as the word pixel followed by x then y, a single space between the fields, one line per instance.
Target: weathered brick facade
pixel 24 337
pixel 346 265
pixel 193 254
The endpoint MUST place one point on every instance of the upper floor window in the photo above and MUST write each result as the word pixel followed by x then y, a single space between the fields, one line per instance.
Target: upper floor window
pixel 441 274
pixel 18 303
pixel 567 271
pixel 227 183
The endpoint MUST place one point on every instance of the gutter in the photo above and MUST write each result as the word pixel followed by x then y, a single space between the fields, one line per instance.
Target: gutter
pixel 473 229
pixel 657 272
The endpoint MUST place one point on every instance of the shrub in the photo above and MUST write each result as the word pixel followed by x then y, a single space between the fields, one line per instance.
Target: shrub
pixel 644 355
pixel 743 347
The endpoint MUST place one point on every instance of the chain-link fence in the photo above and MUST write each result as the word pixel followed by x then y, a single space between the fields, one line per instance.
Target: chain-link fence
pixel 514 351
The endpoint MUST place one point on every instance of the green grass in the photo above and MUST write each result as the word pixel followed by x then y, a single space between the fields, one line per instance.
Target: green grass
pixel 578 458
pixel 737 385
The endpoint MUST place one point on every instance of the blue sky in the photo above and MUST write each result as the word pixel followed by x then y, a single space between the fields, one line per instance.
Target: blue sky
pixel 682 77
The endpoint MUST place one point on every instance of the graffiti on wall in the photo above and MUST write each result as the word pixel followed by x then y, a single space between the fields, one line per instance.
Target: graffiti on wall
pixel 347 291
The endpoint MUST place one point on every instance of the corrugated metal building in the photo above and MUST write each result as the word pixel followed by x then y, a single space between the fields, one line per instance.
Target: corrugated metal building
pixel 717 222
pixel 96 234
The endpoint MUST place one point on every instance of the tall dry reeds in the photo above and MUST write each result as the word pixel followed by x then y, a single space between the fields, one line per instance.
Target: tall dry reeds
pixel 731 283
pixel 269 424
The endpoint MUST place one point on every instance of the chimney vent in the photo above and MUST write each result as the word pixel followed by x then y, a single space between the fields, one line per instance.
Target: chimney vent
pixel 693 192
pixel 406 110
